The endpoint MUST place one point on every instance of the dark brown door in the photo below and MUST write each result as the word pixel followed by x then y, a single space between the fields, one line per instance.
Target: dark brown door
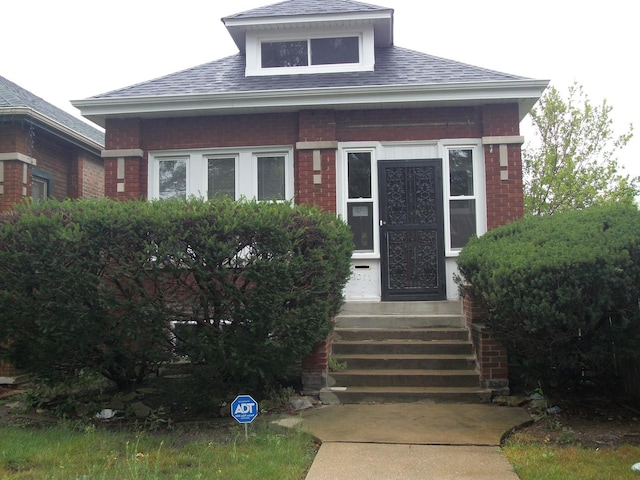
pixel 412 230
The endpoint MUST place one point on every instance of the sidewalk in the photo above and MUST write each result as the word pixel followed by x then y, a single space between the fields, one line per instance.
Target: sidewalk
pixel 413 441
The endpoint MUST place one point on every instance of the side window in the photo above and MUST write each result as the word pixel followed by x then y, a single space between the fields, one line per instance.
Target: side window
pixel 172 177
pixel 360 200
pixel 221 177
pixel 39 188
pixel 462 197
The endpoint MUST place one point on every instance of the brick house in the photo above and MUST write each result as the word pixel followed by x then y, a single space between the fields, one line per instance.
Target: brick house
pixel 417 153
pixel 319 105
pixel 44 151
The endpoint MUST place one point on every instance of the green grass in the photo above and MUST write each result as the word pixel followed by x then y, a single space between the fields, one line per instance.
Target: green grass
pixel 63 452
pixel 538 461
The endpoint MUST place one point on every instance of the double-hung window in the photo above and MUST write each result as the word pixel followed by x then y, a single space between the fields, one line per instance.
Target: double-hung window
pixel 463 201
pixel 360 215
pixel 264 174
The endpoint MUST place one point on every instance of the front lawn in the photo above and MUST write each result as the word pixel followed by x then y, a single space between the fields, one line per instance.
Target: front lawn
pixel 72 452
pixel 539 461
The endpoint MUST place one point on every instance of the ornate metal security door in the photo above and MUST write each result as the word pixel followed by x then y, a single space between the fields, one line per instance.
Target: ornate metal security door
pixel 411 230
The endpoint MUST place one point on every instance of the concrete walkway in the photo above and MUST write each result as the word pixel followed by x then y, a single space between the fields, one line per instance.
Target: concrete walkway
pixel 414 441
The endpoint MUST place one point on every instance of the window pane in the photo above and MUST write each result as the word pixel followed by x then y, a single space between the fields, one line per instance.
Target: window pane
pixel 222 177
pixel 462 221
pixel 360 219
pixel 173 178
pixel 39 188
pixel 359 166
pixel 329 51
pixel 461 172
pixel 284 54
pixel 271 178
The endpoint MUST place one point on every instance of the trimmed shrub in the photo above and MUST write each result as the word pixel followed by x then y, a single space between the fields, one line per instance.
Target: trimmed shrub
pixel 250 286
pixel 561 292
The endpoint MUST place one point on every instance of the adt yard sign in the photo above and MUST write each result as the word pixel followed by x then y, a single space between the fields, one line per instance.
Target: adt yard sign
pixel 244 409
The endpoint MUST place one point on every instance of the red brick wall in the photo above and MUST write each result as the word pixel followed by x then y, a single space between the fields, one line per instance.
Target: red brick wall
pixel 408 124
pixel 504 197
pixel 64 162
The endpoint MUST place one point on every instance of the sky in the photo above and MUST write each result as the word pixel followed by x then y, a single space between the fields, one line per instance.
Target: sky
pixel 63 50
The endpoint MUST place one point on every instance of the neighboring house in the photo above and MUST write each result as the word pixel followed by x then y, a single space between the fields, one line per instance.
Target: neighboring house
pixel 417 153
pixel 45 152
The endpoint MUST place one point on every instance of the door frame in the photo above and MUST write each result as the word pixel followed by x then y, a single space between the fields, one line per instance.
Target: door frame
pixel 425 294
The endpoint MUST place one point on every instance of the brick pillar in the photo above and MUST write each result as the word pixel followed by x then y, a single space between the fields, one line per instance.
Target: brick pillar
pixel 315 366
pixel 491 356
pixel 125 174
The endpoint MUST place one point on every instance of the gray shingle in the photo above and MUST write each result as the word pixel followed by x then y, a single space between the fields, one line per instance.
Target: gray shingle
pixel 14 96
pixel 394 66
pixel 307 7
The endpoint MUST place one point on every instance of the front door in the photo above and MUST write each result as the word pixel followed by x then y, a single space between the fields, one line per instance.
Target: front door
pixel 411 230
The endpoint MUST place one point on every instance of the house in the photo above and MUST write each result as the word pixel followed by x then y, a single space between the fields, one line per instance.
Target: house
pixel 45 152
pixel 417 153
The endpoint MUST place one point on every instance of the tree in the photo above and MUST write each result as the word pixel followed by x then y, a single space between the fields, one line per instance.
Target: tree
pixel 573 166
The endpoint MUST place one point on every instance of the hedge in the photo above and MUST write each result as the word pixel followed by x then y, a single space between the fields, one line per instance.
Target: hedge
pixel 102 285
pixel 562 292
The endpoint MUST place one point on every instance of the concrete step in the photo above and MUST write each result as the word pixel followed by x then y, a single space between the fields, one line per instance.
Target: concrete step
pixel 410 362
pixel 402 308
pixel 408 347
pixel 374 320
pixel 405 395
pixel 423 334
pixel 406 378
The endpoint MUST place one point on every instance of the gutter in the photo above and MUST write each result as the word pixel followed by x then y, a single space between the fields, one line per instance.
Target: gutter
pixel 524 92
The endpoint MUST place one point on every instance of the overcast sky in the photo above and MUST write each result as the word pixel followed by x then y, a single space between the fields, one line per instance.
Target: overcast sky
pixel 64 50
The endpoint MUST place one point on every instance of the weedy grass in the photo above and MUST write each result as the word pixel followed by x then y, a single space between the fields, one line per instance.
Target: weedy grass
pixel 539 461
pixel 64 452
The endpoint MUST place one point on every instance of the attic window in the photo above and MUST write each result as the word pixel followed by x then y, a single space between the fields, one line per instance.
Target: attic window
pixel 314 51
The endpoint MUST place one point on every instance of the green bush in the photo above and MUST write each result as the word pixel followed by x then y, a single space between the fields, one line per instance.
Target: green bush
pixel 561 292
pixel 100 285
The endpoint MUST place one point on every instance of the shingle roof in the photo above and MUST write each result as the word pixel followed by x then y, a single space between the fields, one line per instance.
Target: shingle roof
pixel 308 7
pixel 14 96
pixel 394 66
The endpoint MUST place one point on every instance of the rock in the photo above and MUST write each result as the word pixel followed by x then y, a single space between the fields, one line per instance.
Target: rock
pixel 140 410
pixel 636 467
pixel 510 400
pixel 148 391
pixel 300 403
pixel 105 414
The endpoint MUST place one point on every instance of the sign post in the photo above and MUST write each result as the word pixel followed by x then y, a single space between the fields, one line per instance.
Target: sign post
pixel 244 409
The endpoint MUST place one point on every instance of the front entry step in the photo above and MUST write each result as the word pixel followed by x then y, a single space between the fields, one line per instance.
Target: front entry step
pixel 404 352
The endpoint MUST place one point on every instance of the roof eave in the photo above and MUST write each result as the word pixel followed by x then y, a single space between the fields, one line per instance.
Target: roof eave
pixel 381 19
pixel 523 92
pixel 56 127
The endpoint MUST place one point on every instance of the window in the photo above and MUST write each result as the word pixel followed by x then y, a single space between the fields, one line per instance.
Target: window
pixel 315 51
pixel 172 175
pixel 41 187
pixel 271 178
pixel 221 177
pixel 462 199
pixel 360 200
pixel 263 174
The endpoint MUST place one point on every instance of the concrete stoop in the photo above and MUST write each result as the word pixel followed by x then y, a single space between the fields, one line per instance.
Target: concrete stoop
pixel 403 352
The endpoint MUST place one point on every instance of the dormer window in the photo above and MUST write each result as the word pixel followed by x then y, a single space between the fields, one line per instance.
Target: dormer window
pixel 316 51
pixel 313 51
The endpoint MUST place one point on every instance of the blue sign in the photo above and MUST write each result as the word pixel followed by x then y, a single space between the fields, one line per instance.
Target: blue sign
pixel 244 409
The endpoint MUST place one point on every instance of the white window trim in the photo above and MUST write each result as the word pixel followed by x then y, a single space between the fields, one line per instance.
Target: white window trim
pixel 479 188
pixel 254 51
pixel 246 169
pixel 342 190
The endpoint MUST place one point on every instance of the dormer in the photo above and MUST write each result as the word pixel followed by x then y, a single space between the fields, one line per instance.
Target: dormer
pixel 307 37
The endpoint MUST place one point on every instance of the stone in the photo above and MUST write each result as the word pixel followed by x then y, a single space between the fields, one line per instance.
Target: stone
pixel 300 403
pixel 636 467
pixel 140 410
